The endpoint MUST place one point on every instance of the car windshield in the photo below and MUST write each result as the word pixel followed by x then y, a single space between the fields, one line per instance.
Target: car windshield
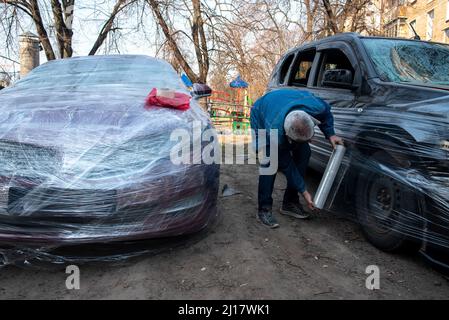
pixel 409 61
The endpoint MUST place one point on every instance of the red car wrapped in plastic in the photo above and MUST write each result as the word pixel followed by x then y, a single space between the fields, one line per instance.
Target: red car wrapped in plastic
pixel 85 159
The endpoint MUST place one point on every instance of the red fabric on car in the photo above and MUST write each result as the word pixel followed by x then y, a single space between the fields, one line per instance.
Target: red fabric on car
pixel 168 99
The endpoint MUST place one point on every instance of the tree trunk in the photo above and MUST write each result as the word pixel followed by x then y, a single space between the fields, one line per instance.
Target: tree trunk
pixel 332 20
pixel 42 33
pixel 172 43
pixel 63 33
pixel 309 22
pixel 199 41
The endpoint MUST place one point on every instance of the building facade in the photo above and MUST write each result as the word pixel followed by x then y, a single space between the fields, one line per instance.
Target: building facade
pixel 429 18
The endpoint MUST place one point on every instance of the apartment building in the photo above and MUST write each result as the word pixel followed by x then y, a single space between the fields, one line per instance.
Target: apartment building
pixel 430 19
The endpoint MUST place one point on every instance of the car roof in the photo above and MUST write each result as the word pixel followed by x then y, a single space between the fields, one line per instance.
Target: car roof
pixel 109 57
pixel 345 36
pixel 349 36
pixel 113 70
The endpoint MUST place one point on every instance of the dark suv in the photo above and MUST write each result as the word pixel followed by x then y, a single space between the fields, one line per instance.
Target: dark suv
pixel 390 100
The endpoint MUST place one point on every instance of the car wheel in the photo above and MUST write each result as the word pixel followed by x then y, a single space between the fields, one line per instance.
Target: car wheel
pixel 385 209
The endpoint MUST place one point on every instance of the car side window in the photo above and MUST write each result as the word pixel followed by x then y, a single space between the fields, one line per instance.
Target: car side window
pixel 333 59
pixel 301 69
pixel 285 67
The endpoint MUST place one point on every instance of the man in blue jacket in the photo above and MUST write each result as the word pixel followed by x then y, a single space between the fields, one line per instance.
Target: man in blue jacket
pixel 291 115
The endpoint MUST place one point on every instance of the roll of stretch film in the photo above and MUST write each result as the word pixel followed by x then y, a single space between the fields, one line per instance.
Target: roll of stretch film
pixel 329 176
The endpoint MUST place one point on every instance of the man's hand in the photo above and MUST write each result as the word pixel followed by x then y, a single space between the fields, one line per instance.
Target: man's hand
pixel 336 140
pixel 309 201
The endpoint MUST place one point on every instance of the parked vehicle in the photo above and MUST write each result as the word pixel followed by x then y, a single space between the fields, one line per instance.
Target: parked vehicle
pixel 83 159
pixel 390 100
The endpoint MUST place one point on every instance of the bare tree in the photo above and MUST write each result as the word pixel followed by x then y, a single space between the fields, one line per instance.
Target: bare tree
pixel 170 37
pixel 62 13
pixel 311 8
pixel 251 41
pixel 213 39
pixel 332 20
pixel 109 23
pixel 32 9
pixel 349 16
pixel 198 39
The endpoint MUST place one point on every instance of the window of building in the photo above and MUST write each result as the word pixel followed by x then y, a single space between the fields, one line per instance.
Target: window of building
pixel 447 10
pixel 430 17
pixel 392 30
pixel 446 35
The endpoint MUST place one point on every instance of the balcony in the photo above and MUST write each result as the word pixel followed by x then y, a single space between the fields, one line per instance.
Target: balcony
pixel 398 12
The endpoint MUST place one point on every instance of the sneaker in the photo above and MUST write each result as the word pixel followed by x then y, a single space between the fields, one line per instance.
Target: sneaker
pixel 267 218
pixel 294 210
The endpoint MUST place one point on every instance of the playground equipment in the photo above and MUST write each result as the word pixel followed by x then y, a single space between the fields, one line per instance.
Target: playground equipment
pixel 231 110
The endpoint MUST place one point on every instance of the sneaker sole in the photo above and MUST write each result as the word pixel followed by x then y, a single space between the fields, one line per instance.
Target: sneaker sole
pixel 294 215
pixel 275 226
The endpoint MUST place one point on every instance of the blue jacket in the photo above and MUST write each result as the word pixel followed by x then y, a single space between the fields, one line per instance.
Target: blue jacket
pixel 269 113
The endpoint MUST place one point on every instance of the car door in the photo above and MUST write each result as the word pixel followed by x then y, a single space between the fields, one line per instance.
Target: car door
pixel 334 55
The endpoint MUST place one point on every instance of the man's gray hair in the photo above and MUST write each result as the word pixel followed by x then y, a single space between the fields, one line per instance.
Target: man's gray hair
pixel 299 126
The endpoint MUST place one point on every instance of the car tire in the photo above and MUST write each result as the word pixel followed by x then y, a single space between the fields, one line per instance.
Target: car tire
pixel 383 207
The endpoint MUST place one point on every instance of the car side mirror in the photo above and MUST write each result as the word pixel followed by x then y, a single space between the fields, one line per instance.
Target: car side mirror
pixel 338 78
pixel 201 90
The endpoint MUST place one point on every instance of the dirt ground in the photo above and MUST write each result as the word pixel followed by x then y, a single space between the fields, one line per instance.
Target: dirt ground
pixel 324 258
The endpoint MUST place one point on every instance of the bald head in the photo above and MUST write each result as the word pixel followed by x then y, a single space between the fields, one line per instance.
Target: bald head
pixel 299 126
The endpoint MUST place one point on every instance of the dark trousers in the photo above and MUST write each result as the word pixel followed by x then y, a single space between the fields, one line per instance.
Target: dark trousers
pixel 294 156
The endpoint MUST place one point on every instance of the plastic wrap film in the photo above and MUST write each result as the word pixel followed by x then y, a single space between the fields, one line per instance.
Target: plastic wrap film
pixel 394 179
pixel 329 175
pixel 85 161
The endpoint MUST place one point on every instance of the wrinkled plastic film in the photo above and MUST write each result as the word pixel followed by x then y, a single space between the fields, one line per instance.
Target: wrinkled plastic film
pixel 396 177
pixel 83 160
